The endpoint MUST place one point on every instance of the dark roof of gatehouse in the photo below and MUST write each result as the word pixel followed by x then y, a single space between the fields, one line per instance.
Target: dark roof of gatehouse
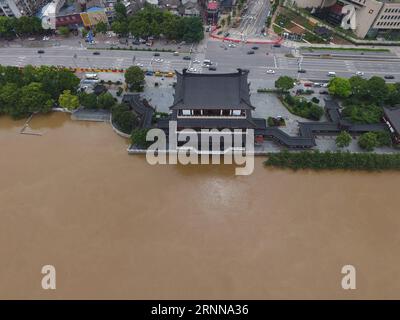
pixel 393 115
pixel 212 91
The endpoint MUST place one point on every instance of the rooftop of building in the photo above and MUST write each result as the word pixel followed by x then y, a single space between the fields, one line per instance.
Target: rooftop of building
pixel 212 91
pixel 393 115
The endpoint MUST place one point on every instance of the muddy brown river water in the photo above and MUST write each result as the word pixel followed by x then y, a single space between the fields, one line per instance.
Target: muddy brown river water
pixel 115 227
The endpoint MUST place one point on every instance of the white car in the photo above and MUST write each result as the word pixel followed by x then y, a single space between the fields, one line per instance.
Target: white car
pixel 231 45
pixel 140 64
pixel 191 69
pixel 158 60
pixel 270 71
pixel 359 73
pixel 196 61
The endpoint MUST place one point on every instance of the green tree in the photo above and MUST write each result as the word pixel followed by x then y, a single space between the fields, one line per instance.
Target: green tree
pixel 123 118
pixel 368 141
pixel 105 101
pixel 377 89
pixel 68 101
pixel 138 138
pixel 359 87
pixel 120 11
pixel 34 99
pixel 64 31
pixel 170 25
pixel 343 139
pixel 120 27
pixel 384 138
pixel 9 97
pixel 28 25
pixel 315 112
pixel 284 83
pixel 88 100
pixel 134 78
pixel 7 27
pixel 193 29
pixel 340 87
pixel 101 27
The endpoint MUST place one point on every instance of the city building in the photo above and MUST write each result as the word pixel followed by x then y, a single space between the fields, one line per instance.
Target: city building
pixel 364 17
pixel 19 8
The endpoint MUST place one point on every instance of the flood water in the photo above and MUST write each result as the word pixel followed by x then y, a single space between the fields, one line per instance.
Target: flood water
pixel 115 227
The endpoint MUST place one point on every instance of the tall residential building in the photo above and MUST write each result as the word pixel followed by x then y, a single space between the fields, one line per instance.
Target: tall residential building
pixel 364 17
pixel 18 8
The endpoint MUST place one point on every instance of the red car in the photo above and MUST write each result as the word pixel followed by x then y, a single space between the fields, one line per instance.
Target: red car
pixel 308 84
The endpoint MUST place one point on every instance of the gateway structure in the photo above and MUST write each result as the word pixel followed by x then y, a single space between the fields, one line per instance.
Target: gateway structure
pixel 213 101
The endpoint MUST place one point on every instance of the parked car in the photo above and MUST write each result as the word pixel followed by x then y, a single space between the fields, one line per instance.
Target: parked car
pixel 389 76
pixel 255 48
pixel 277 45
pixel 250 52
pixel 308 84
pixel 226 34
pixel 212 68
pixel 149 73
pixel 176 53
pixel 323 92
pixel 187 58
pixel 156 54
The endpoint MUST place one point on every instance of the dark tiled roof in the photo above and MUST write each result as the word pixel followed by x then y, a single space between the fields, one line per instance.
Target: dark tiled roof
pixel 211 91
pixel 143 110
pixel 393 115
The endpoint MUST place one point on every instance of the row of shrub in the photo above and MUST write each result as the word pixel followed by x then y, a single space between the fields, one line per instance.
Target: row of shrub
pixel 333 160
pixel 270 90
pixel 140 49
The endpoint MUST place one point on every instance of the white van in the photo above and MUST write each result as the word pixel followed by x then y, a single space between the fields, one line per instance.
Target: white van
pixel 91 76
pixel 331 74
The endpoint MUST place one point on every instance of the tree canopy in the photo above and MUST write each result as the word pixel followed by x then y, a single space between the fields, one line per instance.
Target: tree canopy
pixel 30 89
pixel 11 27
pixel 284 83
pixel 343 139
pixel 134 78
pixel 152 21
pixel 340 87
pixel 68 101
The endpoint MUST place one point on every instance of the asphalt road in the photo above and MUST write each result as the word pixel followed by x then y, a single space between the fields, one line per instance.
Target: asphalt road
pixel 254 20
pixel 316 68
pixel 225 61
